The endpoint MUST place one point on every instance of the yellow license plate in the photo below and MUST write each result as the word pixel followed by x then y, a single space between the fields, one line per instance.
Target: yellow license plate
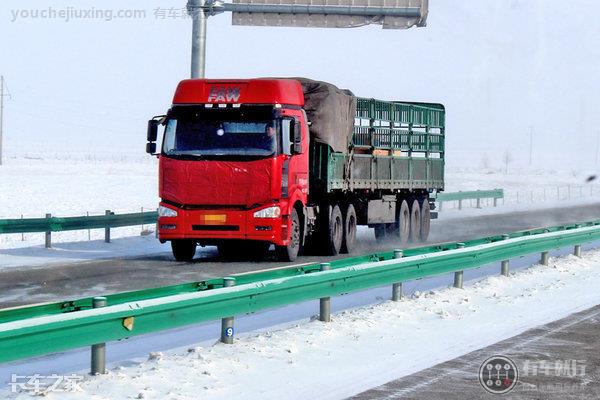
pixel 214 218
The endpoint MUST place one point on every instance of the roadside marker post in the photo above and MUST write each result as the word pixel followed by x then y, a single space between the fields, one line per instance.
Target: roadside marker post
pixel 107 229
pixel 48 234
pixel 504 264
pixel 325 302
pixel 397 287
pixel 458 275
pixel 227 322
pixel 98 359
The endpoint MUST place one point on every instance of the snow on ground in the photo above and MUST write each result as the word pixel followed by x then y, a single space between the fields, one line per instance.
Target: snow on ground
pixel 361 348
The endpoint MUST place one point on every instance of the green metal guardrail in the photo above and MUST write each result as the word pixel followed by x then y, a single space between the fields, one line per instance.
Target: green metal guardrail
pixel 56 224
pixel 62 326
pixel 494 194
pixel 59 224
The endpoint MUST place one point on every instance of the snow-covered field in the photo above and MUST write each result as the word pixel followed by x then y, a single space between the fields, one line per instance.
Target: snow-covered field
pixel 32 187
pixel 360 348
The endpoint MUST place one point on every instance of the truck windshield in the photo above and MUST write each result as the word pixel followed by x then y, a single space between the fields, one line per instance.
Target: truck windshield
pixel 214 137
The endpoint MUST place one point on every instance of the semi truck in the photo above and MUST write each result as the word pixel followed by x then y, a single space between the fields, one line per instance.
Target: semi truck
pixel 295 163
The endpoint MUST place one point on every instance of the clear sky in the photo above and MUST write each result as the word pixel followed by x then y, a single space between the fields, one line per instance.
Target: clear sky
pixel 501 68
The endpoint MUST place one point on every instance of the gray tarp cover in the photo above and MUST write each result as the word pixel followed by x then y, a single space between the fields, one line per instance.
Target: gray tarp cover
pixel 331 111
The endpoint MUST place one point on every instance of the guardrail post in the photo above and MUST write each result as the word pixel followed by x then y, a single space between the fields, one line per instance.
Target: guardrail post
pixel 107 229
pixel 458 275
pixel 98 364
pixel 577 250
pixel 397 287
pixel 87 214
pixel 48 234
pixel 544 259
pixel 504 264
pixel 227 322
pixel 325 302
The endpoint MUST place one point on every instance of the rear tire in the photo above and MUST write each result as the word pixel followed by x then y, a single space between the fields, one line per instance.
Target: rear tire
pixel 415 222
pixel 425 220
pixel 183 249
pixel 335 232
pixel 290 252
pixel 349 239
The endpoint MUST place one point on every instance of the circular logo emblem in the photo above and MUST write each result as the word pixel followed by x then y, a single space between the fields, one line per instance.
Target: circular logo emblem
pixel 498 375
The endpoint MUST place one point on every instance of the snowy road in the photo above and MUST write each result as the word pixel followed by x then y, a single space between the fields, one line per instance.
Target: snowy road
pixel 55 282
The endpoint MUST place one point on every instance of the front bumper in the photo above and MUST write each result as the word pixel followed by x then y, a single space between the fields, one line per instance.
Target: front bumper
pixel 212 226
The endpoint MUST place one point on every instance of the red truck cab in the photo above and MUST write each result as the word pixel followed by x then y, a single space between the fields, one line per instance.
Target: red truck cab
pixel 233 166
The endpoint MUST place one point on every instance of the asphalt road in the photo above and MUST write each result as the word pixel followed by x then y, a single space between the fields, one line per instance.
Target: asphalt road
pixel 74 280
pixel 559 360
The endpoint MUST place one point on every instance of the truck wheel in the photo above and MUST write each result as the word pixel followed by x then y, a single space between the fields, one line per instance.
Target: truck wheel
pixel 183 250
pixel 403 223
pixel 425 220
pixel 415 222
pixel 290 252
pixel 349 239
pixel 335 232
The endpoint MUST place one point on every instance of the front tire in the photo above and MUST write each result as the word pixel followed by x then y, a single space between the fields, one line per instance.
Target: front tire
pixel 290 252
pixel 183 249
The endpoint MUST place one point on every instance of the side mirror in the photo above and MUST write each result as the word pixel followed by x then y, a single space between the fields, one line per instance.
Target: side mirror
pixel 296 138
pixel 152 133
pixel 297 132
pixel 151 147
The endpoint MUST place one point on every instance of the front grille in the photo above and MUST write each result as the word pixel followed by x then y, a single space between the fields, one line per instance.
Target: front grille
pixel 215 227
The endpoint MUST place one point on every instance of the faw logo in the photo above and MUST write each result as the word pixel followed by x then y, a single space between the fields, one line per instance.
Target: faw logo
pixel 223 94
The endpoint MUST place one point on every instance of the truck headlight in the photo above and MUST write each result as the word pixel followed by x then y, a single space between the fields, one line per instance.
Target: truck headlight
pixel 166 212
pixel 269 212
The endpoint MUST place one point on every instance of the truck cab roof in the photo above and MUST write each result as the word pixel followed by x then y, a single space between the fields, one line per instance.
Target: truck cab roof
pixel 239 91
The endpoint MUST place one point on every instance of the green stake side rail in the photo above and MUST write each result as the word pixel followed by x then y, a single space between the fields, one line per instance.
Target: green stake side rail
pixel 43 329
